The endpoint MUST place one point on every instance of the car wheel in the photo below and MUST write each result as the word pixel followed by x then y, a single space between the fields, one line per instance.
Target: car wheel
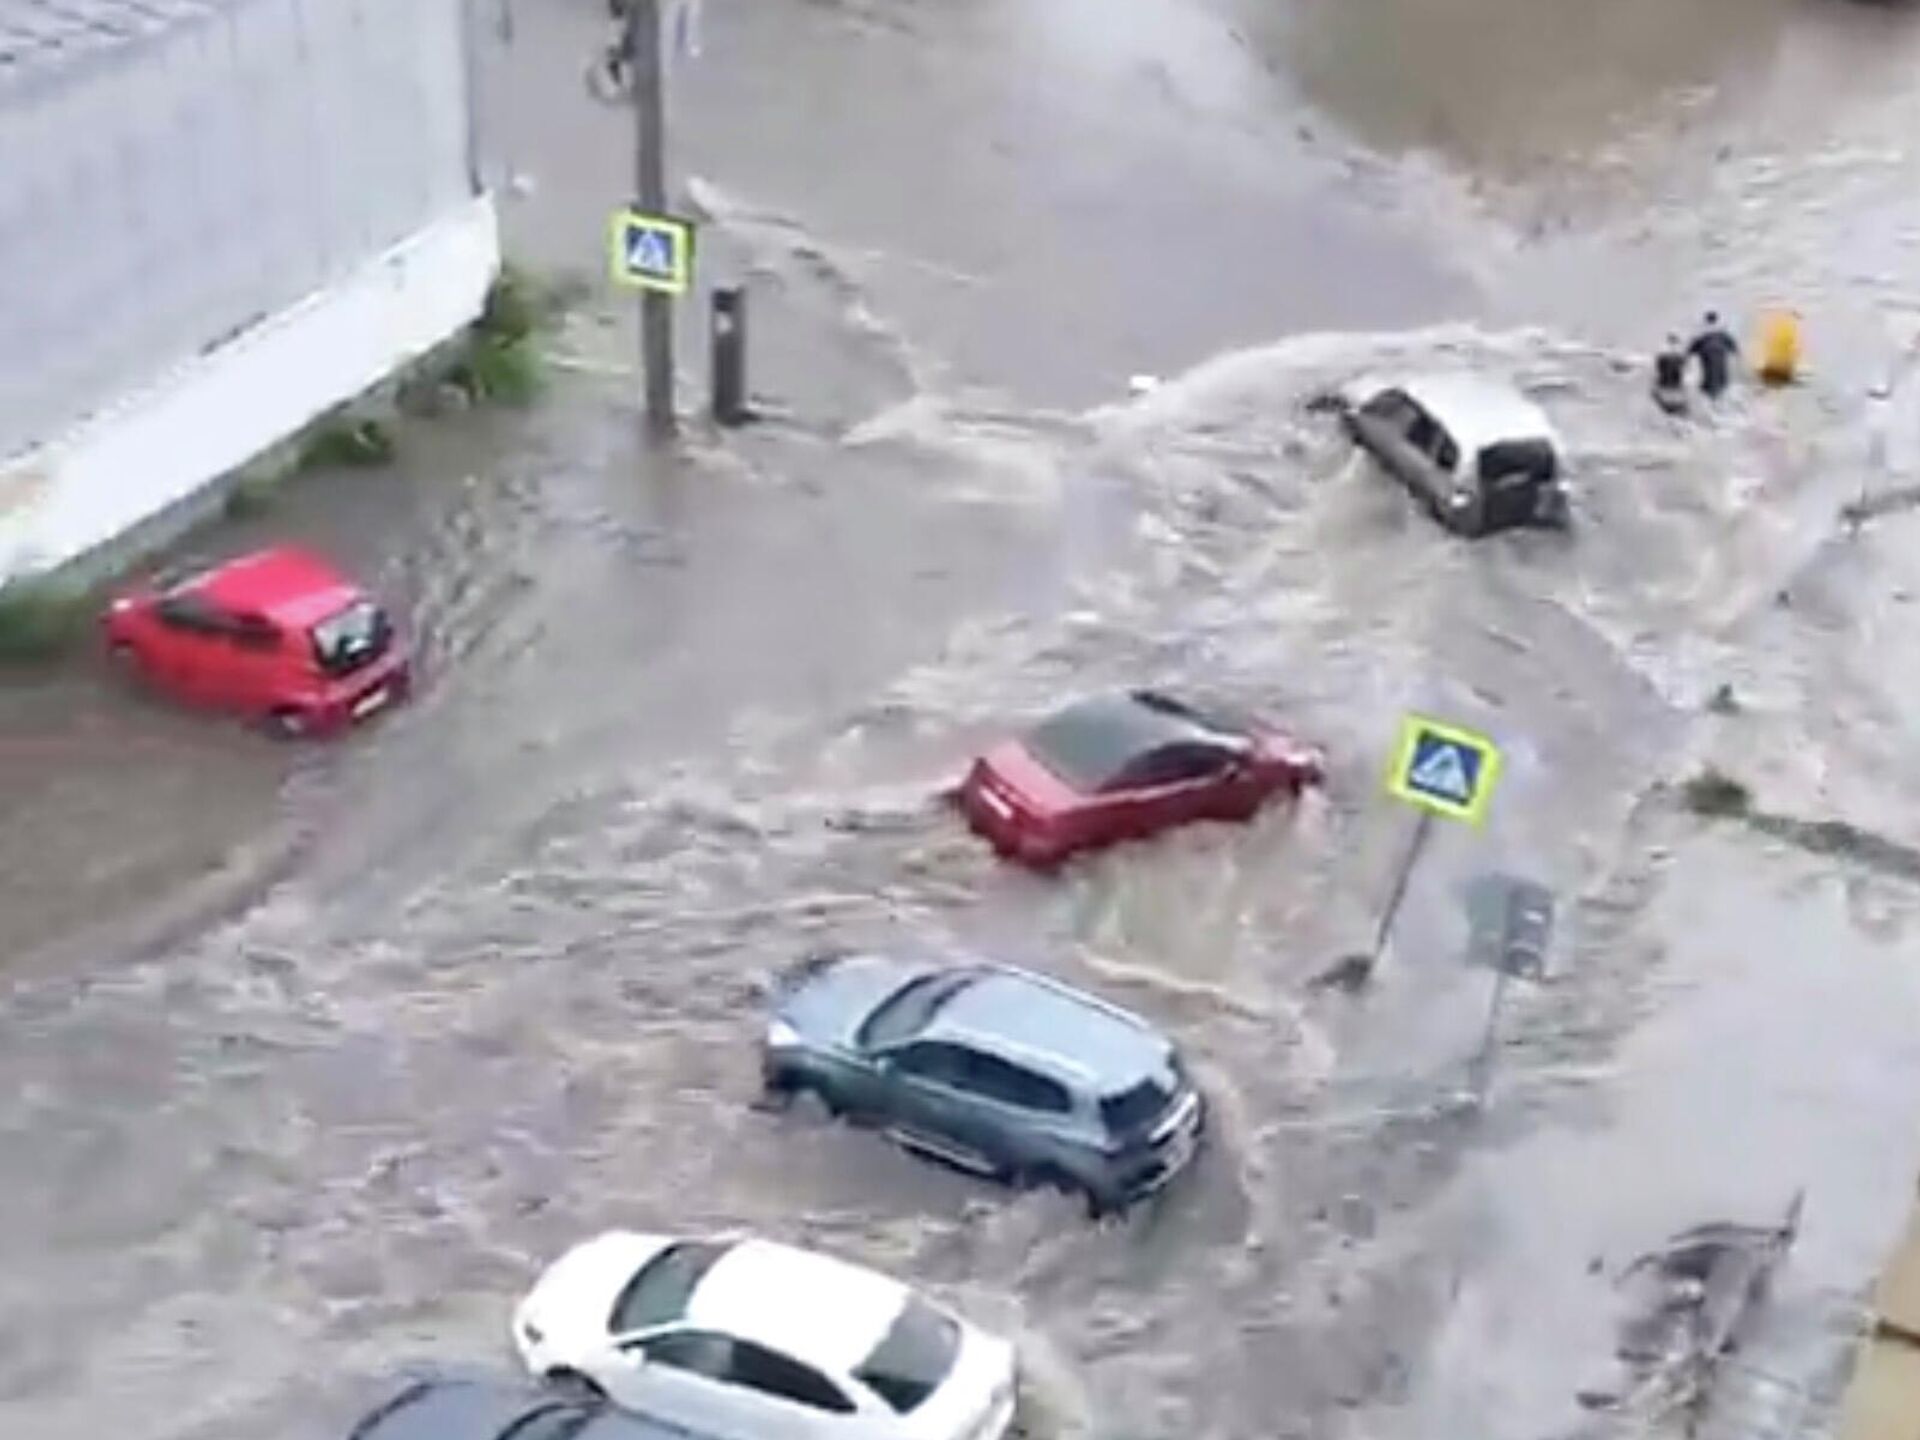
pixel 573 1383
pixel 1047 1177
pixel 783 1089
pixel 288 724
pixel 126 660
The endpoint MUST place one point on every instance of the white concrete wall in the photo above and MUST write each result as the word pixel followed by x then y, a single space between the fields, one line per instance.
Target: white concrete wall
pixel 211 414
pixel 161 193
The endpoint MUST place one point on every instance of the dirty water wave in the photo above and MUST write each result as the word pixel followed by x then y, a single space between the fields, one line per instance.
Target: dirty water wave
pixel 366 1119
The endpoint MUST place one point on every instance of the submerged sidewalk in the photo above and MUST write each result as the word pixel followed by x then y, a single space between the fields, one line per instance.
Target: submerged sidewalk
pixel 1883 1400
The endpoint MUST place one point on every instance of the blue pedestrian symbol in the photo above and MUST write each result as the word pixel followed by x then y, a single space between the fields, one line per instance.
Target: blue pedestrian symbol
pixel 651 252
pixel 1444 769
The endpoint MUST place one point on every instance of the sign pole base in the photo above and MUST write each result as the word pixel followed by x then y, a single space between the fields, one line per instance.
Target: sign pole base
pixel 1421 829
pixel 1480 1072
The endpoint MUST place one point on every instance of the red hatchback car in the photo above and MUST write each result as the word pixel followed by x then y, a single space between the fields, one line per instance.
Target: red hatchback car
pixel 1120 767
pixel 279 636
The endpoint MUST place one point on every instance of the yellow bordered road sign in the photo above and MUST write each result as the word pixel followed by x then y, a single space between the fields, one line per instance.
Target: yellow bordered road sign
pixel 650 252
pixel 1444 769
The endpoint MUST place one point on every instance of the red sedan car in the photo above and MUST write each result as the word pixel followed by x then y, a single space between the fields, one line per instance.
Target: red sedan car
pixel 1120 767
pixel 279 637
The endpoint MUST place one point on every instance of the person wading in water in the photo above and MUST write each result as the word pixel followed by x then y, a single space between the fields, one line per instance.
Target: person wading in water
pixel 1670 377
pixel 1715 349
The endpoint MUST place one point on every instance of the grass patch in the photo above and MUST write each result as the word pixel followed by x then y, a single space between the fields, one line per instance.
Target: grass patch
pixel 1717 795
pixel 346 442
pixel 515 306
pixel 498 371
pixel 251 495
pixel 1840 840
pixel 39 620
pixel 499 362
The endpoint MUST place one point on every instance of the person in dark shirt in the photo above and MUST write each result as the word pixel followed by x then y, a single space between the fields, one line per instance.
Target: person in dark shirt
pixel 1670 377
pixel 1715 349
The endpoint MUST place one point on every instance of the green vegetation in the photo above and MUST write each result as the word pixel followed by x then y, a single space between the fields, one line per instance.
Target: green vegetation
pixel 498 360
pixel 1717 795
pixel 346 442
pixel 251 495
pixel 498 371
pixel 39 620
pixel 515 306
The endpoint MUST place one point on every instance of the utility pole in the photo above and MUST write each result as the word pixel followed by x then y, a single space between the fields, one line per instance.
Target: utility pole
pixel 650 180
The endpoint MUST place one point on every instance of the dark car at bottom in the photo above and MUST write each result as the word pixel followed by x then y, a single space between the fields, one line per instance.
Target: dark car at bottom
pixel 988 1068
pixel 468 1409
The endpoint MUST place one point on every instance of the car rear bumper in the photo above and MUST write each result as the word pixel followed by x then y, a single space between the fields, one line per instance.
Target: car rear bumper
pixel 994 819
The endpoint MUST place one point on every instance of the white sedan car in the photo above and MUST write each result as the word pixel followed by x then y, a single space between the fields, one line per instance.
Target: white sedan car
pixel 751 1340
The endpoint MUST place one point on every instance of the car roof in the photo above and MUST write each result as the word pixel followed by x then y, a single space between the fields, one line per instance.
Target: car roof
pixel 819 1310
pixel 1478 411
pixel 437 1408
pixel 288 585
pixel 1075 1038
pixel 1123 724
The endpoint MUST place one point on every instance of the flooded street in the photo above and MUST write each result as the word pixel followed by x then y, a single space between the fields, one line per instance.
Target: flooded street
pixel 317 1054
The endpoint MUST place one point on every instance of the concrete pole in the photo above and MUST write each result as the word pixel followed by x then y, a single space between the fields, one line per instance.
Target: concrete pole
pixel 650 181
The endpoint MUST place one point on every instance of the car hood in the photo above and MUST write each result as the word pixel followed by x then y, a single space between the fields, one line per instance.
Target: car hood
pixel 825 998
pixel 571 1304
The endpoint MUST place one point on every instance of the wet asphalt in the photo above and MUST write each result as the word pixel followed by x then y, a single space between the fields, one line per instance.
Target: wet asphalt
pixel 316 1055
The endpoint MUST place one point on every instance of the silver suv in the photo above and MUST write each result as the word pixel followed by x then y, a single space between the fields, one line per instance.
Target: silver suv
pixel 991 1069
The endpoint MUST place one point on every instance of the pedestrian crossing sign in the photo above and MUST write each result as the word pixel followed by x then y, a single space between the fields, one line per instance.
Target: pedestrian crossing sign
pixel 1443 769
pixel 650 252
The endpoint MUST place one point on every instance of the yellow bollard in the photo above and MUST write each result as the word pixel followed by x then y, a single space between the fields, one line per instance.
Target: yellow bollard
pixel 1780 348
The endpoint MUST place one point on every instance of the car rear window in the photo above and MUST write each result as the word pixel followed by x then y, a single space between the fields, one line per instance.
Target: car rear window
pixel 352 637
pixel 913 1359
pixel 1089 745
pixel 660 1290
pixel 1518 461
pixel 1136 1108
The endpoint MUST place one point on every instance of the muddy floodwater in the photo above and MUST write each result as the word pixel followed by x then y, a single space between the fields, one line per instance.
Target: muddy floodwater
pixel 314 1056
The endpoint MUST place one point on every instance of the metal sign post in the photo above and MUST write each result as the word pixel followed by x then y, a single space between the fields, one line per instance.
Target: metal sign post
pixel 1513 943
pixel 1439 770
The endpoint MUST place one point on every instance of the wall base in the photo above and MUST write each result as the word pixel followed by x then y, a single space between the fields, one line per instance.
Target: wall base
pixel 153 452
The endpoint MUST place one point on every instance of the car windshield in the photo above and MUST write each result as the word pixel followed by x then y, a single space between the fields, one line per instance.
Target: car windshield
pixel 913 1359
pixel 660 1290
pixel 1136 1108
pixel 352 637
pixel 911 1008
pixel 1088 745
